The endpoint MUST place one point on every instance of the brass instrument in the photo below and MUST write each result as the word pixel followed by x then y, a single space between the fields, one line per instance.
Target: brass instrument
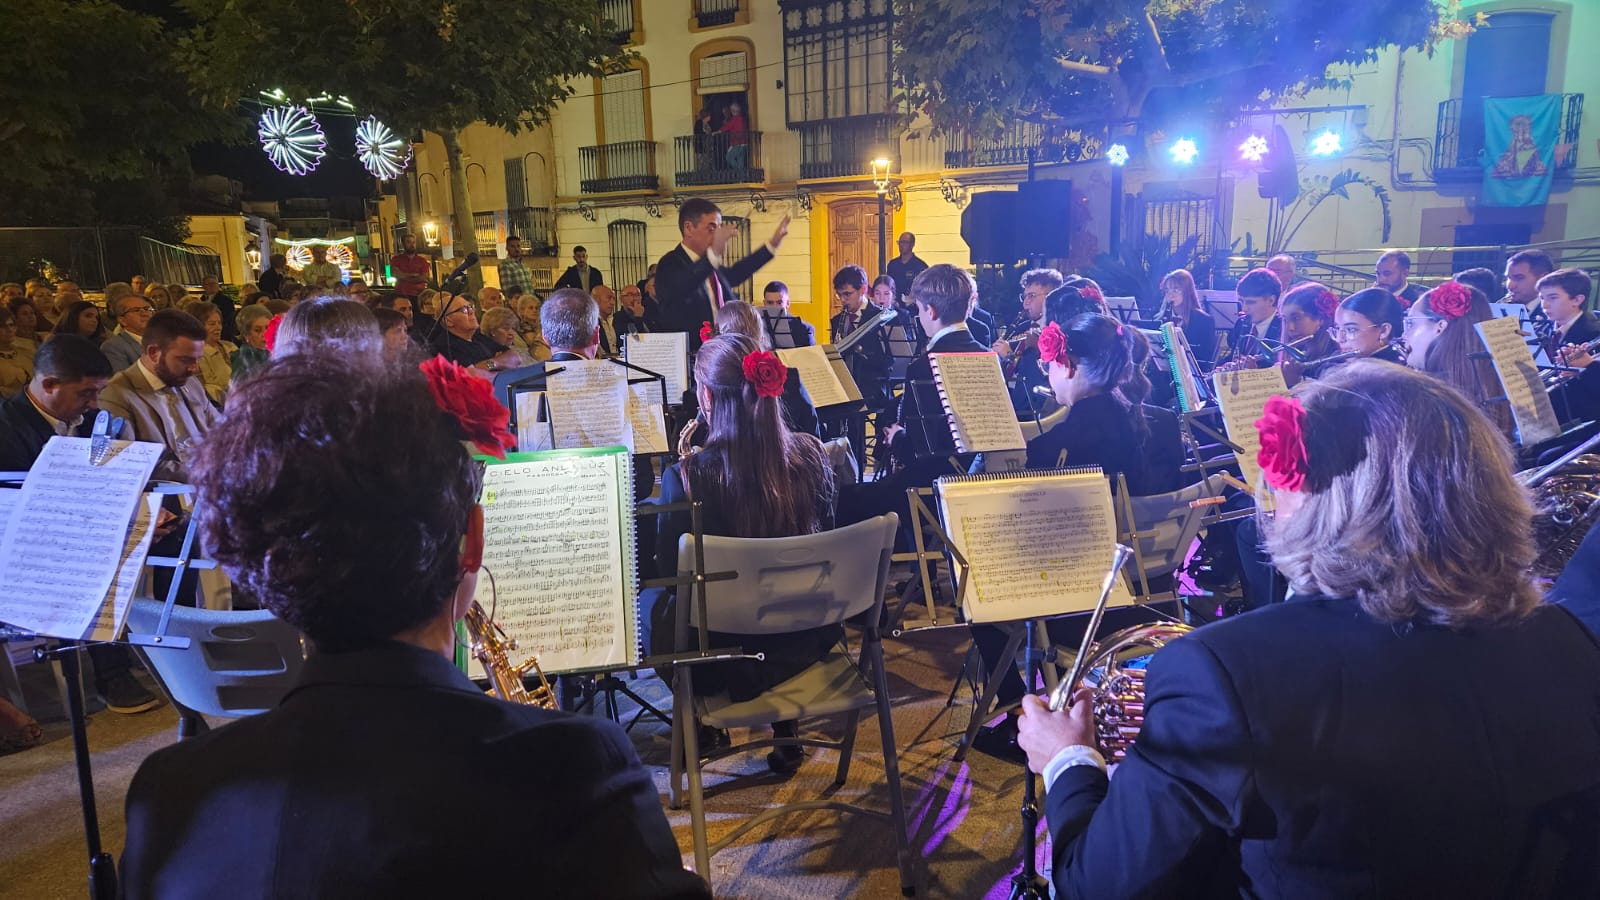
pixel 1118 702
pixel 1566 499
pixel 1022 335
pixel 492 648
pixel 686 445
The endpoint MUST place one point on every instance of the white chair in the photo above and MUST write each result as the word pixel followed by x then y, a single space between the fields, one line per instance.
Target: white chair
pixel 1161 528
pixel 1032 428
pixel 787 585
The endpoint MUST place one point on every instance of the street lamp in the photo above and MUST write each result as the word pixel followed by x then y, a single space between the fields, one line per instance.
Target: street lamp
pixel 880 180
pixel 430 233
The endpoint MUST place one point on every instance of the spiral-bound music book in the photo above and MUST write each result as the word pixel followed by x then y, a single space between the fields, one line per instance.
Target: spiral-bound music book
pixel 1243 394
pixel 1037 544
pixel 1185 368
pixel 559 545
pixel 972 390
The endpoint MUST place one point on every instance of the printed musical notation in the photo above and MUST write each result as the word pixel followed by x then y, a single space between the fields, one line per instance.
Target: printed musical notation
pixel 1242 394
pixel 559 545
pixel 973 390
pixel 647 418
pixel 664 353
pixel 588 402
pixel 68 534
pixel 1519 378
pixel 1035 543
pixel 816 374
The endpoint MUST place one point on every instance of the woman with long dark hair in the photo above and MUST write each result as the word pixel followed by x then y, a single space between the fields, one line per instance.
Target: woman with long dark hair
pixel 1441 340
pixel 754 478
pixel 82 318
pixel 1368 322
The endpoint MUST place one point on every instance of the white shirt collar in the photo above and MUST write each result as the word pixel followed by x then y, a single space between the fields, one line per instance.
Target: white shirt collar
pixel 948 329
pixel 59 426
pixel 1261 328
pixel 150 378
pixel 693 256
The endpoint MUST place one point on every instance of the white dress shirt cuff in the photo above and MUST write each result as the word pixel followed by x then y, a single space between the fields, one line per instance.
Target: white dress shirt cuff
pixel 770 249
pixel 715 257
pixel 1066 758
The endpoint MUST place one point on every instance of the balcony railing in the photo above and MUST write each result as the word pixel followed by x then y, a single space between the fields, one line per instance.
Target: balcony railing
pixel 628 166
pixel 1459 139
pixel 842 148
pixel 486 233
pixel 726 157
pixel 536 226
pixel 711 13
pixel 621 13
pixel 1008 147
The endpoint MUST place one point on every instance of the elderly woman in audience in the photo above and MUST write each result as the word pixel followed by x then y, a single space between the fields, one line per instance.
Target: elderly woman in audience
pixel 500 324
pixel 330 325
pixel 16 357
pixel 216 365
pixel 253 353
pixel 160 298
pixel 739 317
pixel 29 330
pixel 395 331
pixel 82 319
pixel 529 328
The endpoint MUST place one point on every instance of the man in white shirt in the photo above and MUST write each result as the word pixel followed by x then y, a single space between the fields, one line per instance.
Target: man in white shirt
pixel 159 396
pixel 320 273
pixel 691 283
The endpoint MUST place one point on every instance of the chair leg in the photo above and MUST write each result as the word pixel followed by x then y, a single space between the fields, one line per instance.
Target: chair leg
pixel 891 769
pixel 676 766
pixel 1007 658
pixel 691 760
pixel 847 746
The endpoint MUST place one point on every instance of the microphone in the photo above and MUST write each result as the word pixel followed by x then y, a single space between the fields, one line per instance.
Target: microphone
pixel 467 263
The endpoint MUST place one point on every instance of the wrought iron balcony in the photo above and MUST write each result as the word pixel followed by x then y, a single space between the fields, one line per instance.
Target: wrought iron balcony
pixel 487 235
pixel 536 226
pixel 844 148
pixel 628 166
pixel 725 157
pixel 1009 147
pixel 621 13
pixel 711 13
pixel 1459 139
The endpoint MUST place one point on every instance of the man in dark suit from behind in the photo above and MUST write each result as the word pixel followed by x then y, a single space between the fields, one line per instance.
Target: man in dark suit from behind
pixel 691 283
pixel 380 772
pixel 580 274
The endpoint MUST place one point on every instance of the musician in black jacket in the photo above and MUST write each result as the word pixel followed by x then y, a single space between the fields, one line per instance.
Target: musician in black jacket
pixel 1258 331
pixel 869 360
pixel 1380 734
pixel 691 282
pixel 379 773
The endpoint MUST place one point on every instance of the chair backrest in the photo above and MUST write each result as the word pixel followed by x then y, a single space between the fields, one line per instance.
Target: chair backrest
pixel 238 663
pixel 1174 523
pixel 795 583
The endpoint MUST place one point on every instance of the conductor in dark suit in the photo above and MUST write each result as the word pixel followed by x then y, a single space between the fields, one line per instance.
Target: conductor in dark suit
pixel 1381 733
pixel 580 274
pixel 379 773
pixel 691 282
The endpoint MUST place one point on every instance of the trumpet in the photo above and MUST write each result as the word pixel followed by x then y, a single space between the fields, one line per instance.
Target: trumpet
pixel 492 648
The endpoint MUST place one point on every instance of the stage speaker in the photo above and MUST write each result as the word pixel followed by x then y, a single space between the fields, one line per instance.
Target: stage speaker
pixel 1044 219
pixel 989 226
pixel 1279 179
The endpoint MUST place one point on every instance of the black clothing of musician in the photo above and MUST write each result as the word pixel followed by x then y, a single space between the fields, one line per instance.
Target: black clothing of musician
pixel 1098 431
pixel 1201 331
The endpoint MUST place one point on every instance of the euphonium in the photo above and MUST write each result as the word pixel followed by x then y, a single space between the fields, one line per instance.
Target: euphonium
pixel 492 648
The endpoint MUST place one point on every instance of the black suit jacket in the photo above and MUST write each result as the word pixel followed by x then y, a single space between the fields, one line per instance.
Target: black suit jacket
pixel 981 323
pixel 1584 330
pixel 1306 750
pixel 380 775
pixel 1242 340
pixel 570 279
pixel 23 432
pixel 681 287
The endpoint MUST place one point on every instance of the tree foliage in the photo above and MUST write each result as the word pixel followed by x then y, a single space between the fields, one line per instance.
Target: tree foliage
pixel 980 63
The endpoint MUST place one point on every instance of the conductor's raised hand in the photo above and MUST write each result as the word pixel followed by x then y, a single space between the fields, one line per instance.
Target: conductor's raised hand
pixel 779 233
pixel 725 233
pixel 1042 734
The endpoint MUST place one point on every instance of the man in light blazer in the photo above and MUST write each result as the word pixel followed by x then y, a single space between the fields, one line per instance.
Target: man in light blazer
pixel 159 396
pixel 133 313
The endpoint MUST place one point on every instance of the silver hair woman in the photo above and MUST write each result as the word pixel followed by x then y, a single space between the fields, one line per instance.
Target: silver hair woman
pixel 328 324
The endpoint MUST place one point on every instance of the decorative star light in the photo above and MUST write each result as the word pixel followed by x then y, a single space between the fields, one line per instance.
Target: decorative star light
pixel 1327 143
pixel 1117 155
pixel 299 256
pixel 381 151
pixel 1253 148
pixel 1184 151
pixel 293 139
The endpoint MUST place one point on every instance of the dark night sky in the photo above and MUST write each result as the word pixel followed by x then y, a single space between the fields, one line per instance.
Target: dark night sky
pixel 339 175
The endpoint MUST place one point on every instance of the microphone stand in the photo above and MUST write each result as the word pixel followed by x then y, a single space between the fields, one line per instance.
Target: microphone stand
pixel 1028 884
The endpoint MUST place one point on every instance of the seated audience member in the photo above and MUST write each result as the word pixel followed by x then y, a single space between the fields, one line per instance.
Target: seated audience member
pixel 1368 322
pixel 216 366
pixel 132 312
pixel 396 339
pixel 1441 340
pixel 16 356
pixel 755 478
pixel 159 396
pixel 44 304
pixel 82 318
pixel 531 331
pixel 632 318
pixel 570 320
pixel 739 317
pixel 252 353
pixel 1258 332
pixel 780 321
pixel 490 297
pixel 1182 307
pixel 605 300
pixel 312 450
pixel 1484 280
pixel 329 325
pixel 159 296
pixel 1308 311
pixel 1319 746
pixel 500 324
pixel 31 328
pixel 277 307
pixel 458 339
pixel 1283 266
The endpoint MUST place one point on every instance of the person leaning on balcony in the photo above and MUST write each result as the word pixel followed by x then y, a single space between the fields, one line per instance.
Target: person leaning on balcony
pixel 738 131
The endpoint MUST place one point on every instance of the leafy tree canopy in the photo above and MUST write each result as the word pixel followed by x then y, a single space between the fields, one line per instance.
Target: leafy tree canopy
pixel 980 63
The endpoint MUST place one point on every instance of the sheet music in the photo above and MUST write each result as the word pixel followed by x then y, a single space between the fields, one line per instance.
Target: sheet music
pixel 588 402
pixel 664 353
pixel 816 374
pixel 1519 377
pixel 1036 544
pixel 533 429
pixel 647 418
pixel 113 616
pixel 68 533
pixel 974 393
pixel 563 573
pixel 1242 394
pixel 1520 313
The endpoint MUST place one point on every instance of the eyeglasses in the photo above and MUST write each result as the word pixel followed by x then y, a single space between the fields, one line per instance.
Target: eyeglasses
pixel 1348 331
pixel 139 309
pixel 458 310
pixel 1418 320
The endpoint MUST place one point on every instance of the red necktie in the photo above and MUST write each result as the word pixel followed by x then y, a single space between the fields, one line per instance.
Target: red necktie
pixel 716 290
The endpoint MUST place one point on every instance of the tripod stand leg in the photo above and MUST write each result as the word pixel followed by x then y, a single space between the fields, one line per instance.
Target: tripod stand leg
pixel 102 869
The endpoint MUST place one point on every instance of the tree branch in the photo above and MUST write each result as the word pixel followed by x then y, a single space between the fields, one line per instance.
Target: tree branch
pixel 1090 69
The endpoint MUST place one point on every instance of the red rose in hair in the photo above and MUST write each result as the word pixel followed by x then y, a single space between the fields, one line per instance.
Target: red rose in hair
pixel 1450 300
pixel 1090 292
pixel 767 372
pixel 1282 456
pixel 470 401
pixel 706 332
pixel 1327 304
pixel 270 336
pixel 1052 343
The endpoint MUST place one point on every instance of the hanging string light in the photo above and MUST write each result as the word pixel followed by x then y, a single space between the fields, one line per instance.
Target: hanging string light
pixel 293 139
pixel 382 152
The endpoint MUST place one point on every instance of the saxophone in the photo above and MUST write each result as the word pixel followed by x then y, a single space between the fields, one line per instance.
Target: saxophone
pixel 492 648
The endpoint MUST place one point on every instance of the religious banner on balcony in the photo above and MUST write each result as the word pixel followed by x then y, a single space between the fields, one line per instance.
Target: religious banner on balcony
pixel 1519 149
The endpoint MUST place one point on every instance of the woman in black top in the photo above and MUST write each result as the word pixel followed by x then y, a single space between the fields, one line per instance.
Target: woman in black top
pixel 1368 322
pixel 1087 361
pixel 1182 306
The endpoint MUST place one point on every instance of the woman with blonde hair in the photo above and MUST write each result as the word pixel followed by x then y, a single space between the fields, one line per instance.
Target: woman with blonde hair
pixel 1181 306
pixel 158 295
pixel 216 365
pixel 1382 732
pixel 529 329
pixel 739 317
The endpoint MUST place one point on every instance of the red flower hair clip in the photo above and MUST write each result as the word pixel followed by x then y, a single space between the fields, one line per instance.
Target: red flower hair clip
pixel 1282 457
pixel 766 372
pixel 1090 292
pixel 1052 344
pixel 706 332
pixel 270 336
pixel 1327 304
pixel 469 400
pixel 1450 300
